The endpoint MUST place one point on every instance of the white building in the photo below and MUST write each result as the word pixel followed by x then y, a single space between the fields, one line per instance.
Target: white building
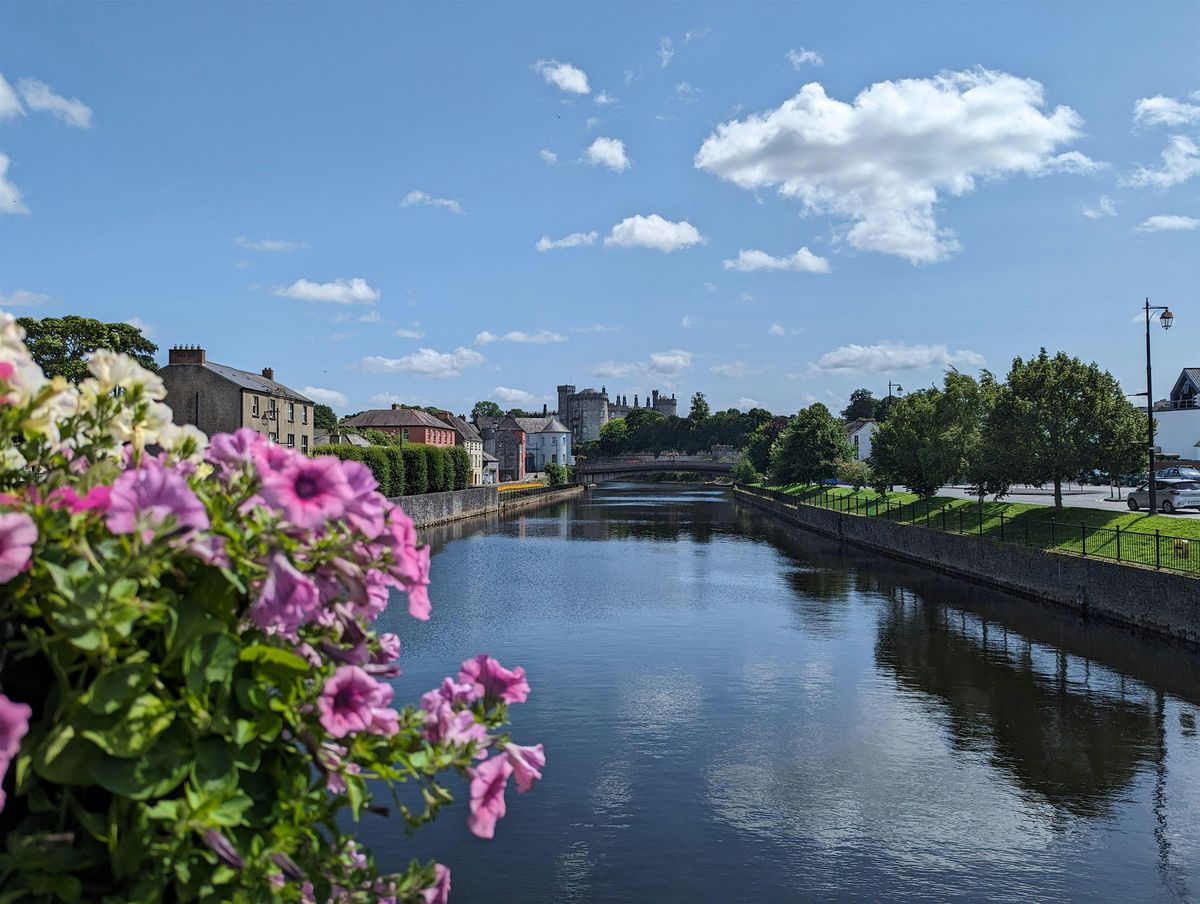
pixel 546 441
pixel 861 432
pixel 1178 428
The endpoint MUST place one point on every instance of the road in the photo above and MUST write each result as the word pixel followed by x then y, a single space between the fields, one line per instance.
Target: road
pixel 1080 497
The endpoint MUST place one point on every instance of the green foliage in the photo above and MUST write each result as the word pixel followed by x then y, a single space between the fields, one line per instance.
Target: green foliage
pixel 439 472
pixel 854 473
pixel 460 463
pixel 416 470
pixel 810 447
pixel 386 463
pixel 324 418
pixel 759 443
pixel 883 408
pixel 395 457
pixel 60 345
pixel 863 404
pixel 700 410
pixel 486 409
pixel 557 475
pixel 613 436
pixel 744 471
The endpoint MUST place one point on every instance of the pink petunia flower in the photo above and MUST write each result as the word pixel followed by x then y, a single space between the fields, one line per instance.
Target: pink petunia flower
pixel 142 500
pixel 527 763
pixel 366 508
pixel 17 536
pixel 448 692
pixel 309 491
pixel 14 723
pixel 493 680
pixel 445 726
pixel 488 781
pixel 287 598
pixel 389 649
pixel 97 499
pixel 232 450
pixel 439 892
pixel 354 701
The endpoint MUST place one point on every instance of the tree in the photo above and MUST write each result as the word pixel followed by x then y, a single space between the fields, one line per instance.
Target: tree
pixel 884 406
pixel 758 445
pixel 612 437
pixel 324 418
pixel 810 447
pixel 899 448
pixel 744 471
pixel 556 474
pixel 60 345
pixel 1060 417
pixel 862 405
pixel 700 410
pixel 857 474
pixel 486 409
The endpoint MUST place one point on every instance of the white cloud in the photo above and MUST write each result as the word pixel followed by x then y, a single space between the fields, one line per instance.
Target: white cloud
pixel 596 328
pixel 884 161
pixel 10 197
pixel 695 34
pixel 592 122
pixel 518 397
pixel 800 57
pixel 687 321
pixel 427 363
pixel 370 317
pixel 277 245
pixel 10 104
pixel 687 92
pixel 385 398
pixel 663 366
pixel 563 76
pixel 746 403
pixel 22 298
pixel 1167 222
pixel 776 329
pixel 340 291
pixel 330 397
pixel 548 155
pixel 1106 207
pixel 542 337
pixel 40 97
pixel 666 50
pixel 889 356
pixel 414 198
pixel 733 369
pixel 653 232
pixel 608 152
pixel 574 240
pixel 149 330
pixel 1181 161
pixel 605 99
pixel 803 261
pixel 410 334
pixel 1165 111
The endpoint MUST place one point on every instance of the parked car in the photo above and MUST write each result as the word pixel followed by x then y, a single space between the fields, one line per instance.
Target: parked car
pixel 1177 473
pixel 1172 495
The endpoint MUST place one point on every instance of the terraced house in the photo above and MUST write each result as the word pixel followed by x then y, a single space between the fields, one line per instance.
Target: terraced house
pixel 217 398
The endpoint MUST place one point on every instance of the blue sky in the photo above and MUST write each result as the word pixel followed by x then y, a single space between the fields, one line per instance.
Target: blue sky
pixel 770 203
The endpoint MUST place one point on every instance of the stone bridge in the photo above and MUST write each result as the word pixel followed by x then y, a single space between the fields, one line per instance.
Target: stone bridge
pixel 614 469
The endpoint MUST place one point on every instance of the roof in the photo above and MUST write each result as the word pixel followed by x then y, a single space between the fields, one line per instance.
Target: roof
pixel 858 423
pixel 1192 375
pixel 549 424
pixel 510 423
pixel 468 433
pixel 395 417
pixel 488 456
pixel 251 381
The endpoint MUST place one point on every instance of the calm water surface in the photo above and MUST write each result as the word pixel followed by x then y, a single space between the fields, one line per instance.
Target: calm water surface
pixel 736 711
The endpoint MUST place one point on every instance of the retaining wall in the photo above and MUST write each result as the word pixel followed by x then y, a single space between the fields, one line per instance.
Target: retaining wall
pixel 437 508
pixel 1164 603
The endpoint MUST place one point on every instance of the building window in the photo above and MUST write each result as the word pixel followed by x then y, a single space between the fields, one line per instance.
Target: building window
pixel 271 409
pixel 254 406
pixel 304 414
pixel 291 443
pixel 274 437
pixel 291 412
pixel 304 443
pixel 404 434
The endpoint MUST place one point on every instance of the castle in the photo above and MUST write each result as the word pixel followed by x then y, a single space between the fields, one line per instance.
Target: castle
pixel 584 413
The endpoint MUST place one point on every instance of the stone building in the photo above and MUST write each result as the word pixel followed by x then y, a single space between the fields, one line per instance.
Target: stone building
pixel 546 441
pixel 504 438
pixel 584 413
pixel 413 425
pixel 467 437
pixel 217 398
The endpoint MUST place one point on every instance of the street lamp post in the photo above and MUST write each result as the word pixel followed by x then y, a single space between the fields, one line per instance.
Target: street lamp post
pixel 895 386
pixel 1165 319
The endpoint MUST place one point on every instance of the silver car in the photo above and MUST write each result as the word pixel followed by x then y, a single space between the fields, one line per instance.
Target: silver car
pixel 1172 495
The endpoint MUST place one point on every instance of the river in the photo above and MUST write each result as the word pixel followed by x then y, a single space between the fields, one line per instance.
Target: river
pixel 735 710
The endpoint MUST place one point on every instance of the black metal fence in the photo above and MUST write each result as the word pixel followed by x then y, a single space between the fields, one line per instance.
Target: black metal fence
pixel 1157 550
pixel 520 492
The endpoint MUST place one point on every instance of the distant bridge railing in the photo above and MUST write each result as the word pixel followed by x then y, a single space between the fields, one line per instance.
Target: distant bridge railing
pixel 610 468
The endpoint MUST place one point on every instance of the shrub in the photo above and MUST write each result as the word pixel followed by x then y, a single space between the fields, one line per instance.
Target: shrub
pixel 192 697
pixel 743 471
pixel 375 458
pixel 857 474
pixel 416 470
pixel 556 474
pixel 435 464
pixel 396 462
pixel 462 467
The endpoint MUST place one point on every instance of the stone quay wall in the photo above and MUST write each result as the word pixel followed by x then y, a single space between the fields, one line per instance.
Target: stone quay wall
pixel 1163 603
pixel 437 508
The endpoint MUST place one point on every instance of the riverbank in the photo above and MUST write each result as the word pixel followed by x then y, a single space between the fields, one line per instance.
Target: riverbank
pixel 429 509
pixel 1162 603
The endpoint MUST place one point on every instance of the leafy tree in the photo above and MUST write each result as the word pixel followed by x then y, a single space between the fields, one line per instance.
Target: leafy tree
pixel 556 474
pixel 744 471
pixel 759 443
pixel 884 406
pixel 612 437
pixel 324 418
pixel 60 345
pixel 857 474
pixel 900 448
pixel 1060 417
pixel 810 447
pixel 700 410
pixel 486 409
pixel 862 405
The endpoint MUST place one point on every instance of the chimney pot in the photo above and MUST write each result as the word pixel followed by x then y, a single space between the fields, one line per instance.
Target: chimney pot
pixel 185 354
pixel 395 406
pixel 269 373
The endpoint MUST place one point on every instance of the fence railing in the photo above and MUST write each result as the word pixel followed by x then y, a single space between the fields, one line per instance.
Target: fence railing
pixel 520 491
pixel 1157 550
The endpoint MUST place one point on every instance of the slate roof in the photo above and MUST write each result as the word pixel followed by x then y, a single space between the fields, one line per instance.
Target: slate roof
pixel 395 417
pixel 1192 375
pixel 468 433
pixel 251 381
pixel 548 424
pixel 857 424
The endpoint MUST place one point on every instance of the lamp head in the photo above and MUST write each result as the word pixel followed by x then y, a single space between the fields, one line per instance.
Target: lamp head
pixel 1165 319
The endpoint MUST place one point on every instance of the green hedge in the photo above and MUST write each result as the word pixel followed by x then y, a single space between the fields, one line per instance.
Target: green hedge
pixel 395 457
pixel 437 461
pixel 462 467
pixel 416 470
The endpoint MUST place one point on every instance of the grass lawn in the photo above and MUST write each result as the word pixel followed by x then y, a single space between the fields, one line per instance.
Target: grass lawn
pixel 1076 530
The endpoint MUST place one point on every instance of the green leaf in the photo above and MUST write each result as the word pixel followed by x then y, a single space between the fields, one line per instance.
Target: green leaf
pixel 153 774
pixel 276 660
pixel 59 887
pixel 214 769
pixel 190 622
pixel 115 688
pixel 136 728
pixel 64 757
pixel 210 660
pixel 229 811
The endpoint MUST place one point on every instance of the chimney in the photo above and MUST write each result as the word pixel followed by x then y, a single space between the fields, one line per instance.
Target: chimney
pixel 544 409
pixel 185 354
pixel 269 373
pixel 395 406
